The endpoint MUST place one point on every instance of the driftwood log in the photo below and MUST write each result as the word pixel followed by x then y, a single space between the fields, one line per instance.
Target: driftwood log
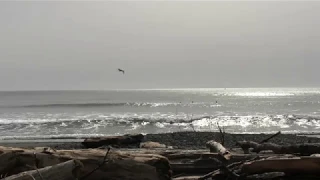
pixel 187 178
pixel 246 145
pixel 7 162
pixel 119 166
pixel 150 145
pixel 222 168
pixel 63 171
pixel 271 175
pixel 299 165
pixel 302 149
pixel 119 141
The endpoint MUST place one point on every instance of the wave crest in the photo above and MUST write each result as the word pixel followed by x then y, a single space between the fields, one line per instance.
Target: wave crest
pixel 130 104
pixel 158 123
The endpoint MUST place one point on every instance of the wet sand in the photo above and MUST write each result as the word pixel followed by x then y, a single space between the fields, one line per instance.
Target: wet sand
pixel 178 140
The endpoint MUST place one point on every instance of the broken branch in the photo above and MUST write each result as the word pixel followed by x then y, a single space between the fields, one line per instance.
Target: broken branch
pixel 267 139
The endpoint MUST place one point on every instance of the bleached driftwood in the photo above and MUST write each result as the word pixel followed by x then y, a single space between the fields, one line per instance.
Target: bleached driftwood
pixel 217 147
pixel 119 166
pixel 150 145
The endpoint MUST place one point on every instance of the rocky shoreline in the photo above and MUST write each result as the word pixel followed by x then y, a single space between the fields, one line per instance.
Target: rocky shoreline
pixel 182 140
pixel 197 140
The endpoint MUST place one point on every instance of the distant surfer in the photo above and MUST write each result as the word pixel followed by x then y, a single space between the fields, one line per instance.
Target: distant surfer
pixel 120 70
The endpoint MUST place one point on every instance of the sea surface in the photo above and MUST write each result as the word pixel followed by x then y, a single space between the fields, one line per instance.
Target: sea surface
pixel 78 114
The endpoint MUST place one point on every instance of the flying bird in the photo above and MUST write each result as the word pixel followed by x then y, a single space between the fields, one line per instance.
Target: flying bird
pixel 120 70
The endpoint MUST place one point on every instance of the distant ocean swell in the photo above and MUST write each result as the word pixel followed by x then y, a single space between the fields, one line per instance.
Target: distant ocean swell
pixel 157 123
pixel 130 104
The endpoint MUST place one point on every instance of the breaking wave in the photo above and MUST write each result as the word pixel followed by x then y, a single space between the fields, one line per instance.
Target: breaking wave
pixel 156 123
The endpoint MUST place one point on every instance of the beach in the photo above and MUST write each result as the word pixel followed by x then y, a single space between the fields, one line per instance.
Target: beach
pixel 185 155
pixel 178 140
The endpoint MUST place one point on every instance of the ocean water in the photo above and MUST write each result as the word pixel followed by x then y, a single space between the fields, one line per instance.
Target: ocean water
pixel 78 114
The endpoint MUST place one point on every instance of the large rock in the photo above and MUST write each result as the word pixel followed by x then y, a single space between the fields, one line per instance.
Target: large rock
pixel 119 141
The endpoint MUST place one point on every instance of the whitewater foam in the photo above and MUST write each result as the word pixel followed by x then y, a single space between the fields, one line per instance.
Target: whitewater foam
pixel 51 114
pixel 147 123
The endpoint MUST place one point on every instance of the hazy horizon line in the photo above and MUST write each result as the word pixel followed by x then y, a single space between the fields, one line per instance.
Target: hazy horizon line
pixel 128 89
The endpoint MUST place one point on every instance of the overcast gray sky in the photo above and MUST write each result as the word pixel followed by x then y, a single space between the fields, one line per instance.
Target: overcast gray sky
pixel 80 45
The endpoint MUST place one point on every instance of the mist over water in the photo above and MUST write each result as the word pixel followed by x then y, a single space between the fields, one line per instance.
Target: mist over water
pixel 63 114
